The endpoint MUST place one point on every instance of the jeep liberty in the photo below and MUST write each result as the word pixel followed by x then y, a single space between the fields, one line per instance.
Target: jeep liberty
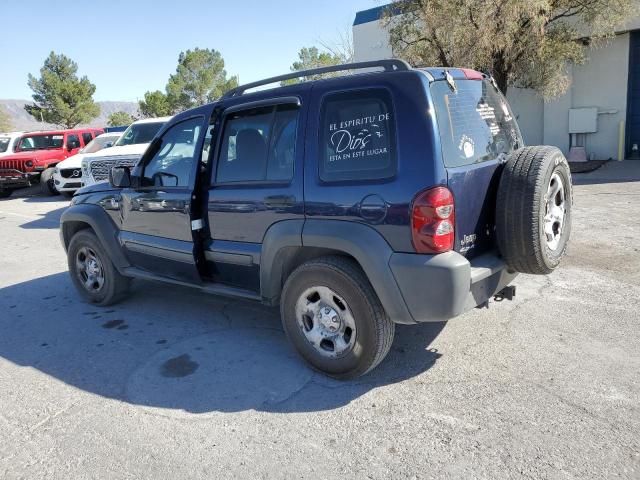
pixel 389 195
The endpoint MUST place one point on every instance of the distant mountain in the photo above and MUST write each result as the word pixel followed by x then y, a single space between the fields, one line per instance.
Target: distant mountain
pixel 21 120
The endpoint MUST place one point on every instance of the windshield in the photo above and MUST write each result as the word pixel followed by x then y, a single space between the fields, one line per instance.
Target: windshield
pixel 4 144
pixel 139 133
pixel 98 143
pixel 41 142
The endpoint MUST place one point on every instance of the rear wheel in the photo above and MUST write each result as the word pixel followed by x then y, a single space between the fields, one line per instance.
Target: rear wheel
pixel 334 319
pixel 533 209
pixel 47 185
pixel 92 272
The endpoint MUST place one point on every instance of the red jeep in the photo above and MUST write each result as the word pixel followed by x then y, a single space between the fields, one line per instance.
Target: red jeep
pixel 36 156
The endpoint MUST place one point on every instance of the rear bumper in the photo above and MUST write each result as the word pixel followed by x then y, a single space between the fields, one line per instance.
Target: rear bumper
pixel 439 287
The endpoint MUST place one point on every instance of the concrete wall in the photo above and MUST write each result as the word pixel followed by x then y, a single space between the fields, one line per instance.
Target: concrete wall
pixel 528 107
pixel 370 42
pixel 601 83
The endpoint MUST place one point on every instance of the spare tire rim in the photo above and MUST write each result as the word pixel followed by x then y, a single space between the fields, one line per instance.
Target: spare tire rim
pixel 555 212
pixel 326 321
pixel 89 269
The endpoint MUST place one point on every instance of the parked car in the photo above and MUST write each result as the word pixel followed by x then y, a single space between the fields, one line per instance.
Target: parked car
pixel 8 142
pixel 354 202
pixel 125 152
pixel 36 155
pixel 67 176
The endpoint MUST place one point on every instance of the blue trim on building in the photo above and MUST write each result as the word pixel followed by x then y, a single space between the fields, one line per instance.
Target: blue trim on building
pixel 373 14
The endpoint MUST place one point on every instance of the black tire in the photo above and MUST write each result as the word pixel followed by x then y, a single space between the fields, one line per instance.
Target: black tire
pixel 521 208
pixel 47 186
pixel 115 286
pixel 5 193
pixel 374 330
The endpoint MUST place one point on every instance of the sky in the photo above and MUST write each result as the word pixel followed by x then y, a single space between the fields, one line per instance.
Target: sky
pixel 127 47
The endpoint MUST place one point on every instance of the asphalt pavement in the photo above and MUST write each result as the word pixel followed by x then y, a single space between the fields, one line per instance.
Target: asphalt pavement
pixel 172 383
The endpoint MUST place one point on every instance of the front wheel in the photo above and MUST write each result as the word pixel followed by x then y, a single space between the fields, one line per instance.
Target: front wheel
pixel 334 319
pixel 47 185
pixel 92 272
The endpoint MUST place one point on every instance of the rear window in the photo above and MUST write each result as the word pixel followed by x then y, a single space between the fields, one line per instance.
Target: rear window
pixel 4 144
pixel 357 136
pixel 475 122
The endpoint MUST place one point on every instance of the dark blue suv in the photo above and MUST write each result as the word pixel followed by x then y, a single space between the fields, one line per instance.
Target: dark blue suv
pixel 390 195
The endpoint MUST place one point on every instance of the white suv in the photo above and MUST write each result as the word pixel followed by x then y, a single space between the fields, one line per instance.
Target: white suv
pixel 8 142
pixel 67 176
pixel 126 151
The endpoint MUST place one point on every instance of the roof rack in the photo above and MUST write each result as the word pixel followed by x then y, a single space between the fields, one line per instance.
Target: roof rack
pixel 391 65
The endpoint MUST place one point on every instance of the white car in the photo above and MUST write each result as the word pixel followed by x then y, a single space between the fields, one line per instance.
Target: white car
pixel 67 176
pixel 8 142
pixel 125 152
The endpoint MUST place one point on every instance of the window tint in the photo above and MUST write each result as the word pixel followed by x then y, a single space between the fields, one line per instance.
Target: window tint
pixel 258 145
pixel 357 137
pixel 41 142
pixel 172 164
pixel 86 137
pixel 475 122
pixel 4 144
pixel 73 141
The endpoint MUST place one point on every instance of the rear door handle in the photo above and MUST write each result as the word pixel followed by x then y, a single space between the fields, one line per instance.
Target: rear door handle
pixel 275 201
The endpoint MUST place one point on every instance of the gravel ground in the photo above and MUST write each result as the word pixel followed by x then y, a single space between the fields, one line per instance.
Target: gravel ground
pixel 175 384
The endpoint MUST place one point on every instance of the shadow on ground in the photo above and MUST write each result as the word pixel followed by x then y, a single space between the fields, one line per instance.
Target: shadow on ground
pixel 48 220
pixel 175 348
pixel 611 172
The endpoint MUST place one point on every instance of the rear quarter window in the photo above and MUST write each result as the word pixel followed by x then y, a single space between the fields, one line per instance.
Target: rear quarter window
pixel 475 122
pixel 357 136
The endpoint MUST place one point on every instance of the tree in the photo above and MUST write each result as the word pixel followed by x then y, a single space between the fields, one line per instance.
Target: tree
pixel 60 96
pixel 155 104
pixel 521 43
pixel 311 57
pixel 5 120
pixel 119 118
pixel 200 78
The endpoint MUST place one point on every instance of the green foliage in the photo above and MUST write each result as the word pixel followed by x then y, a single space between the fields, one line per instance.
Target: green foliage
pixel 200 78
pixel 311 57
pixel 117 119
pixel 60 96
pixel 155 104
pixel 5 121
pixel 525 44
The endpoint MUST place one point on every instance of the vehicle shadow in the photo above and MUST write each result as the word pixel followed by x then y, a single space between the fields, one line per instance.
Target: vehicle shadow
pixel 48 220
pixel 176 349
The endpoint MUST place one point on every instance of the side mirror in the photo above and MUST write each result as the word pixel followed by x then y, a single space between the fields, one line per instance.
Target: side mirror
pixel 108 145
pixel 71 145
pixel 120 177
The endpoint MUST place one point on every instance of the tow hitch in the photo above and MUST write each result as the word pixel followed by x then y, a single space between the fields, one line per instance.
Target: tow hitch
pixel 507 293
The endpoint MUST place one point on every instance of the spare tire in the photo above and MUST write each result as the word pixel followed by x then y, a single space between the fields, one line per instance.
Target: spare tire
pixel 533 210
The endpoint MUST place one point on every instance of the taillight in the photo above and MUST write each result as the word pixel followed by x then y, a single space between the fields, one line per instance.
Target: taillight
pixel 470 74
pixel 433 220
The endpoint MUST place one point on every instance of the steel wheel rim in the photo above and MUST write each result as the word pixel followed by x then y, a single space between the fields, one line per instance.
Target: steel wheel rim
pixel 89 269
pixel 555 212
pixel 325 320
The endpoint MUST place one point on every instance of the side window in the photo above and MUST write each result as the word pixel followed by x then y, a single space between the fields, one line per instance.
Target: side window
pixel 73 141
pixel 172 164
pixel 258 145
pixel 475 122
pixel 357 136
pixel 86 137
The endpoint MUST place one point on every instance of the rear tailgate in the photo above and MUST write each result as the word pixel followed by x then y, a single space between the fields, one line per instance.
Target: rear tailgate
pixel 477 132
